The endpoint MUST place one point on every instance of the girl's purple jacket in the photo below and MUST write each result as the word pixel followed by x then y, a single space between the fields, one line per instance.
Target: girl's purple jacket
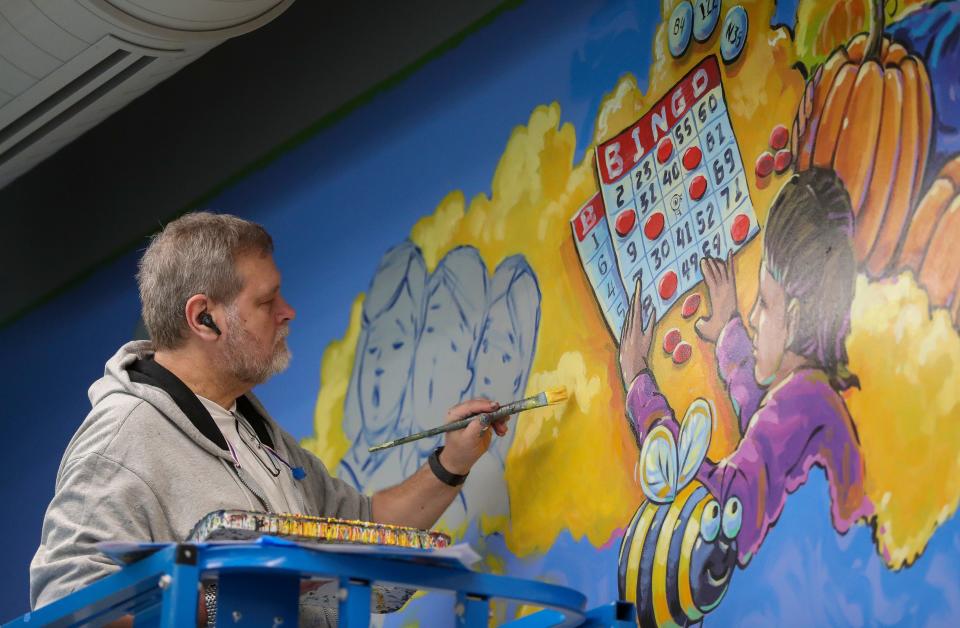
pixel 784 430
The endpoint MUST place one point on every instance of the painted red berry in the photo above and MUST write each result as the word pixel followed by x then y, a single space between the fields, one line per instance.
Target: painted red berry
pixel 764 164
pixel 654 226
pixel 671 340
pixel 625 222
pixel 690 305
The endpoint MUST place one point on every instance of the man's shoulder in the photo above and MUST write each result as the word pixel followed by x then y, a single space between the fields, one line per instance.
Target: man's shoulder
pixel 114 419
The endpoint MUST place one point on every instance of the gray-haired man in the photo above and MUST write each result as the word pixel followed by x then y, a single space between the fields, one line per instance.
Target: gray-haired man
pixel 174 432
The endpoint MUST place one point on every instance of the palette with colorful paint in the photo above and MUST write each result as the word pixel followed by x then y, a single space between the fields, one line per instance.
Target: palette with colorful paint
pixel 674 190
pixel 236 525
pixel 243 525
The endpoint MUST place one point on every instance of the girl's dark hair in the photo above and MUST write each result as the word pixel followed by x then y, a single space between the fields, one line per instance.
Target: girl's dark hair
pixel 808 251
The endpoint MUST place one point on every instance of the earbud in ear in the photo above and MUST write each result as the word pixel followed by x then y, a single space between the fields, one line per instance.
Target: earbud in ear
pixel 207 320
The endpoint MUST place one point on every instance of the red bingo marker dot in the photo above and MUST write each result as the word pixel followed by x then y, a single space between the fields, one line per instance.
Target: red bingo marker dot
pixel 664 150
pixel 692 157
pixel 668 285
pixel 682 352
pixel 671 340
pixel 690 305
pixel 782 161
pixel 625 222
pixel 764 164
pixel 779 137
pixel 654 226
pixel 697 187
pixel 740 228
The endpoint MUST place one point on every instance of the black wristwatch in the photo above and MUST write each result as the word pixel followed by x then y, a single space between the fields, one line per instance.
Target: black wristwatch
pixel 450 479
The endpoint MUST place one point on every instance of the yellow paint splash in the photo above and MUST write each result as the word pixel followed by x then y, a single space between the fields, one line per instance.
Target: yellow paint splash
pixel 908 413
pixel 329 442
pixel 571 466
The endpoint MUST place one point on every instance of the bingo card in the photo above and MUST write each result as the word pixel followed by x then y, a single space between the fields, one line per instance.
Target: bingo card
pixel 674 190
pixel 592 237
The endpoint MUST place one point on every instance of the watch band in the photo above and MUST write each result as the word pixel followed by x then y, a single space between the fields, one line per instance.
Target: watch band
pixel 450 479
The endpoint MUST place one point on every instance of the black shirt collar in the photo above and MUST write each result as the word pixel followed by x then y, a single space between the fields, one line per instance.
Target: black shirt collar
pixel 147 371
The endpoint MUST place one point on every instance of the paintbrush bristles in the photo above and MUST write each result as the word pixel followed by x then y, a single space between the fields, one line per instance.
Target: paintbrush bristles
pixel 556 395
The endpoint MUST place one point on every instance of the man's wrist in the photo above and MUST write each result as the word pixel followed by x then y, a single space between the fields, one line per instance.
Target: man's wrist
pixel 444 471
pixel 450 466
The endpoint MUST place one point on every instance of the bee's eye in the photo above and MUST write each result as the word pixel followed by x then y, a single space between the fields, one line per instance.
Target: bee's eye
pixel 710 521
pixel 732 517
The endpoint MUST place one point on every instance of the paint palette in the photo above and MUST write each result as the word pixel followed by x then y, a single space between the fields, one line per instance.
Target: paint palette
pixel 672 190
pixel 242 525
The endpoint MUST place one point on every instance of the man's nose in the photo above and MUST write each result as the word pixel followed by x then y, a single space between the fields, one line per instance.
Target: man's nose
pixel 287 313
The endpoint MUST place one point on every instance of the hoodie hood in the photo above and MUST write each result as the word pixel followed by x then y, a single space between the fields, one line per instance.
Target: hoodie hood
pixel 133 371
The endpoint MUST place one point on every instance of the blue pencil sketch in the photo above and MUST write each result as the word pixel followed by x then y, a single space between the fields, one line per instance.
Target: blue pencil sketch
pixel 426 343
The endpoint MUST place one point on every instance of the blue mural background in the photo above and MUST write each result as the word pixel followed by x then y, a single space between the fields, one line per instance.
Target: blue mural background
pixel 334 204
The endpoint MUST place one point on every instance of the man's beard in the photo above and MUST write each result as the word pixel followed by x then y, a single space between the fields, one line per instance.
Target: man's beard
pixel 242 352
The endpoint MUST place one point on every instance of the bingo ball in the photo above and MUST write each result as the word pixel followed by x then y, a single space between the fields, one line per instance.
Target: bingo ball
pixel 681 27
pixel 733 34
pixel 706 14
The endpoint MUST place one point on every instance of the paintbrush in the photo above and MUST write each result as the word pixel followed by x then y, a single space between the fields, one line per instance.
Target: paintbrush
pixel 546 398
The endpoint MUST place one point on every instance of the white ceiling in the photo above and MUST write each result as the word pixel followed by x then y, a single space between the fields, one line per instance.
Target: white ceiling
pixel 175 146
pixel 66 65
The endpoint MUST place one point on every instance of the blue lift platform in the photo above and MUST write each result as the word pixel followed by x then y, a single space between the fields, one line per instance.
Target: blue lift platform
pixel 259 585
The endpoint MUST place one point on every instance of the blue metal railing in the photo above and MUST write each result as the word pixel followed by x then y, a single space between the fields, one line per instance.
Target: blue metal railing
pixel 259 585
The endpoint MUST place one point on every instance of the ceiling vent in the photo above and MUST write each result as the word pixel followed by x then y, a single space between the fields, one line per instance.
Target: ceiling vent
pixel 66 66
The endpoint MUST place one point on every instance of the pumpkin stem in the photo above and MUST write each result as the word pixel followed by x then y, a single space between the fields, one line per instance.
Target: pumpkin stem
pixel 875 35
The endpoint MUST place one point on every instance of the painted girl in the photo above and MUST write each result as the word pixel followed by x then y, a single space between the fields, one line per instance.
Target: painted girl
pixel 784 376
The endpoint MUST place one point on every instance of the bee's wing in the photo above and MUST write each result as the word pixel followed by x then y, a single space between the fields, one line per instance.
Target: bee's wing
pixel 658 466
pixel 695 431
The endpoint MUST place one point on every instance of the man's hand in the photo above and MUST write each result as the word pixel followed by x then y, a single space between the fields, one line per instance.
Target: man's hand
pixel 722 293
pixel 635 341
pixel 420 499
pixel 464 447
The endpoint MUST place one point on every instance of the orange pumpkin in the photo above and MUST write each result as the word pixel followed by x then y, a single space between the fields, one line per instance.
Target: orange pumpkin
pixel 929 247
pixel 867 112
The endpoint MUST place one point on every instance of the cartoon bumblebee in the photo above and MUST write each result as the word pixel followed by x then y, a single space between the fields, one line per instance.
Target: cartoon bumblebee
pixel 679 551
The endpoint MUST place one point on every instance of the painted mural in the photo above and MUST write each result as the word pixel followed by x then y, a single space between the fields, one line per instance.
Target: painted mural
pixel 745 278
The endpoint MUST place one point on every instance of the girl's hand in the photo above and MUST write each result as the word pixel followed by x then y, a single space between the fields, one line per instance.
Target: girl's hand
pixel 722 293
pixel 635 341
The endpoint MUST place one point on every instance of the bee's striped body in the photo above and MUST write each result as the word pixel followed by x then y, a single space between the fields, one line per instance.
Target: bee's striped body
pixel 655 559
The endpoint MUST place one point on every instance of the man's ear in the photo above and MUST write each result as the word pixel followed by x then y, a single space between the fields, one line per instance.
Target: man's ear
pixel 195 308
pixel 792 320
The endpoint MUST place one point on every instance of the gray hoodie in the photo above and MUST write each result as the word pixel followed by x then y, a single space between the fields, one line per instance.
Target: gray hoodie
pixel 139 469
